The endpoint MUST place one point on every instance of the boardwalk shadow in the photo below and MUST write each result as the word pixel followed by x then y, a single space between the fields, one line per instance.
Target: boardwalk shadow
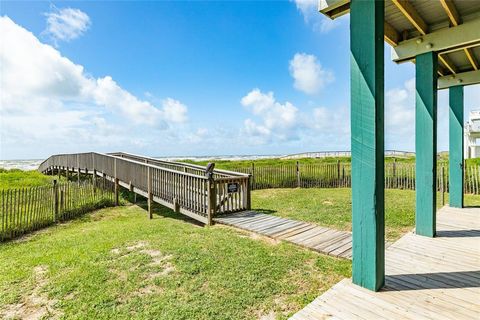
pixel 458 233
pixel 438 280
pixel 159 210
pixel 264 211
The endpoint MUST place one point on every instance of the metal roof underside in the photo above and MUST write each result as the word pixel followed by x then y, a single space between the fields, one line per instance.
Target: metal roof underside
pixel 409 22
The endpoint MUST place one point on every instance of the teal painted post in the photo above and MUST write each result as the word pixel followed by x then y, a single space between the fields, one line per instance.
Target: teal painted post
pixel 367 127
pixel 455 154
pixel 426 143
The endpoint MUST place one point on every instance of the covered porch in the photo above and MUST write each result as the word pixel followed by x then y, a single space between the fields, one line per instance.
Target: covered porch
pixel 432 272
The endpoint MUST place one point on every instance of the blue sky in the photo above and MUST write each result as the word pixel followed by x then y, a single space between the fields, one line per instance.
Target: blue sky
pixel 186 78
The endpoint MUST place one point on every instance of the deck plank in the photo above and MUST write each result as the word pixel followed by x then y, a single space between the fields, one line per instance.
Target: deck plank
pixel 426 278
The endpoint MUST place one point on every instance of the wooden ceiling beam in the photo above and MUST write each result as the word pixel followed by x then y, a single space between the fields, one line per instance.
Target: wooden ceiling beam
pixel 392 37
pixel 451 11
pixel 463 78
pixel 455 20
pixel 471 58
pixel 412 15
pixel 443 40
pixel 447 63
pixel 442 71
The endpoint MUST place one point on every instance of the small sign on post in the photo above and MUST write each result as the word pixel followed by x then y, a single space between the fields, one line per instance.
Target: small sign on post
pixel 232 187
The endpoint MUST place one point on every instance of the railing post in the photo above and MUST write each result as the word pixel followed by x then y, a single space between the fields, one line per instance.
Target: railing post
pixel 55 200
pixel 104 178
pixel 67 173
pixel 298 174
pixel 116 181
pixel 94 181
pixel 59 171
pixel 249 197
pixel 253 176
pixel 149 186
pixel 212 200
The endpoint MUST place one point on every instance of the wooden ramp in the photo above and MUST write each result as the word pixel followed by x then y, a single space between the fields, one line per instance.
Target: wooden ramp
pixel 427 278
pixel 324 240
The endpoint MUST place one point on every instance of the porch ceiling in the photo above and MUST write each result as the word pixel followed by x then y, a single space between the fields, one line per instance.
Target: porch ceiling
pixel 408 21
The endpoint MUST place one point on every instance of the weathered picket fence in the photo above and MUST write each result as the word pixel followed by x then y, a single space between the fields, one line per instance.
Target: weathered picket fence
pixel 398 175
pixel 27 209
pixel 186 188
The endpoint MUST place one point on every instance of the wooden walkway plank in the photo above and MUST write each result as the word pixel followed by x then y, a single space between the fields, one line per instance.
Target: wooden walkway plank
pixel 305 234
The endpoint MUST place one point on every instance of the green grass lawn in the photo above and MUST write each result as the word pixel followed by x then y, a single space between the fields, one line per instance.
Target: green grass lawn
pixel 115 263
pixel 332 207
pixel 16 178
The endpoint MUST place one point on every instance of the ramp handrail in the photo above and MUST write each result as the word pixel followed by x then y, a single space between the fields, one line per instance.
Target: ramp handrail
pixel 179 186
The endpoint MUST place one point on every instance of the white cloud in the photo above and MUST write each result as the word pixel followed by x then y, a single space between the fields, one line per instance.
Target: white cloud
pixel 66 24
pixel 43 90
pixel 331 123
pixel 400 118
pixel 308 73
pixel 320 23
pixel 174 111
pixel 278 121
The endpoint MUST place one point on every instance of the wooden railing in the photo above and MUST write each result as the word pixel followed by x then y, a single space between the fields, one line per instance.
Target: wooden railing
pixel 182 187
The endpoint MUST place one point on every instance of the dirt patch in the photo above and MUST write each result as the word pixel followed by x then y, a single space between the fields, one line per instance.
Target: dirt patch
pixel 35 305
pixel 327 203
pixel 159 266
pixel 158 258
pixel 167 269
pixel 265 239
pixel 148 290
pixel 138 245
pixel 268 316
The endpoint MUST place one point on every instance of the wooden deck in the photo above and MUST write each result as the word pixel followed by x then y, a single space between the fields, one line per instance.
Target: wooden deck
pixel 320 239
pixel 427 278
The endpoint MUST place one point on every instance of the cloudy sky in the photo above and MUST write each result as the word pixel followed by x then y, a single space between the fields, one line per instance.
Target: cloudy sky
pixel 186 78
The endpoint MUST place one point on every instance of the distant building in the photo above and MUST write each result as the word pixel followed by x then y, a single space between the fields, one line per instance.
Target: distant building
pixel 472 133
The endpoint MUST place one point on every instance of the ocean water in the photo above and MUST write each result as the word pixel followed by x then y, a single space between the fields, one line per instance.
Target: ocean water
pixel 24 164
pixel 32 164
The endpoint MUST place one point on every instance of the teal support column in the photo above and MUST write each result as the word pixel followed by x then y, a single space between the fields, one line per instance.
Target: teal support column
pixel 426 143
pixel 455 154
pixel 367 127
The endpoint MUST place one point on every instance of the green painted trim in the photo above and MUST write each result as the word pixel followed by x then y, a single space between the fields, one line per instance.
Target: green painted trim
pixel 426 143
pixel 367 126
pixel 455 127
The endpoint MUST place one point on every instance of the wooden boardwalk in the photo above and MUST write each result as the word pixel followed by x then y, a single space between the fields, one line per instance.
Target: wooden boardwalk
pixel 320 239
pixel 427 278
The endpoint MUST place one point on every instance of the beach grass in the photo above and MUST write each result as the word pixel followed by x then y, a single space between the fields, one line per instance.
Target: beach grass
pixel 279 162
pixel 16 178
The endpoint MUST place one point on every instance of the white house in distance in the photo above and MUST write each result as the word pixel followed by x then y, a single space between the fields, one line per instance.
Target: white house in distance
pixel 472 133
